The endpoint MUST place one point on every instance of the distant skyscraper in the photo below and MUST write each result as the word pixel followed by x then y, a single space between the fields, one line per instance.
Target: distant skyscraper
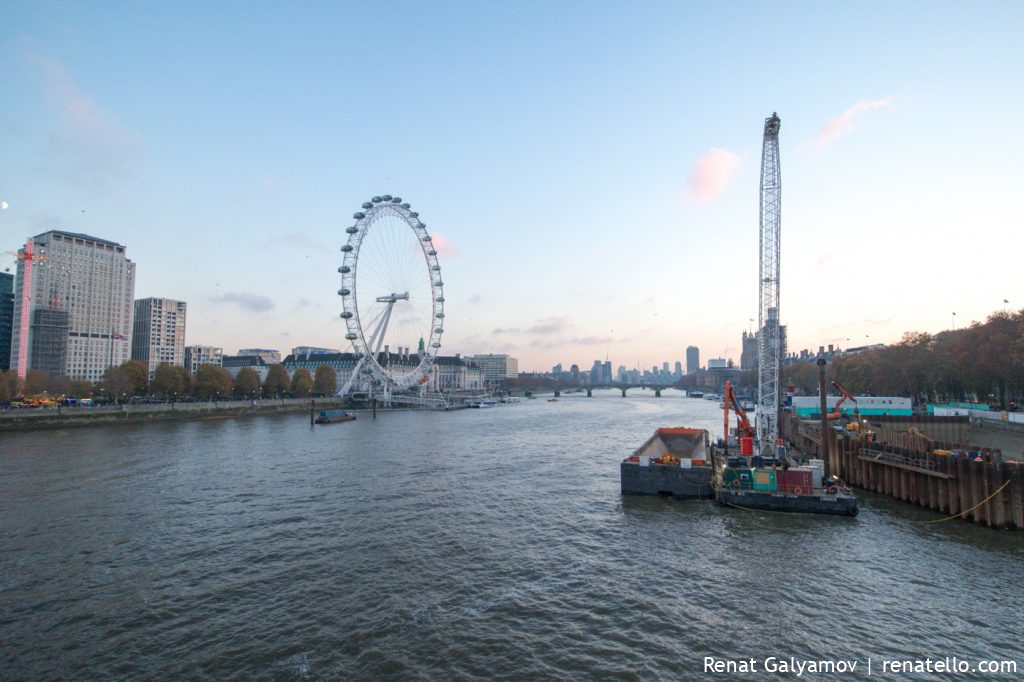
pixel 159 333
pixel 72 306
pixel 6 319
pixel 692 359
pixel 678 370
pixel 197 356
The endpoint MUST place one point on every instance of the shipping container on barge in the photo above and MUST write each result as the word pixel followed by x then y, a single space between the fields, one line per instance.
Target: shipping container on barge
pixel 674 462
pixel 783 488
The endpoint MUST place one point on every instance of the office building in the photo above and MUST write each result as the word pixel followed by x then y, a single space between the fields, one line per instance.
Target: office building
pixel 6 319
pixel 692 359
pixel 197 356
pixel 158 334
pixel 496 367
pixel 268 355
pixel 73 307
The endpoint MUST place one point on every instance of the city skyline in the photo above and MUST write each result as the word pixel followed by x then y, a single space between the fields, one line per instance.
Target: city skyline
pixel 590 188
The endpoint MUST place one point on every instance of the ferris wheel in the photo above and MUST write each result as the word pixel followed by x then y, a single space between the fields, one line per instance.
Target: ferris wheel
pixel 392 297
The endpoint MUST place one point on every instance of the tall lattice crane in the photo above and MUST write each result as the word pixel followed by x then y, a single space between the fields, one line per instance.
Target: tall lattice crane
pixel 770 343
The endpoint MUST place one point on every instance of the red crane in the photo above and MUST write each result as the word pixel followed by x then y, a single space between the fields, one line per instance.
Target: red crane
pixel 742 423
pixel 837 413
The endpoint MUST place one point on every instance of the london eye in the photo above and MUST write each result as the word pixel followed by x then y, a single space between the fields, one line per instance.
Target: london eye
pixel 392 297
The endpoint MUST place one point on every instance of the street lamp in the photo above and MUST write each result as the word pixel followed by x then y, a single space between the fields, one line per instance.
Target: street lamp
pixel 954 321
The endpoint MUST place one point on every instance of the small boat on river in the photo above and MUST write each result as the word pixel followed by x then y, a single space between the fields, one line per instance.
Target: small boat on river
pixel 334 416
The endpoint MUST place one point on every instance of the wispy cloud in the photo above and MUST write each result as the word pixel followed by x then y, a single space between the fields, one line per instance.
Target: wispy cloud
pixel 256 303
pixel 86 145
pixel 506 330
pixel 844 122
pixel 474 299
pixel 443 246
pixel 591 341
pixel 711 174
pixel 550 325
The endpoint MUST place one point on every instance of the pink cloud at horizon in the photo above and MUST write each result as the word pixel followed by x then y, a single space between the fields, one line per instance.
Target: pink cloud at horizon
pixel 844 122
pixel 711 174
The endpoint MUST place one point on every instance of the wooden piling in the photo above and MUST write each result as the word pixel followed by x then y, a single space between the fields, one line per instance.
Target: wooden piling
pixel 997 513
pixel 1016 489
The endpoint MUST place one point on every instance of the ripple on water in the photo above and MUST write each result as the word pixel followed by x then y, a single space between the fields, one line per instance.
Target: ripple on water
pixel 472 544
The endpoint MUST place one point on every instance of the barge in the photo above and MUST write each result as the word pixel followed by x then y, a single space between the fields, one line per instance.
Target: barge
pixel 785 489
pixel 674 462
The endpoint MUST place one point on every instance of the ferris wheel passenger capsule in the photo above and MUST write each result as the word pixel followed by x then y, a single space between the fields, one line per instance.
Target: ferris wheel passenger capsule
pixel 376 200
pixel 385 197
pixel 358 215
pixel 396 200
pixel 367 205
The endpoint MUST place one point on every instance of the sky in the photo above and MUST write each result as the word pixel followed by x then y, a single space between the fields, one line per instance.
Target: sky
pixel 589 170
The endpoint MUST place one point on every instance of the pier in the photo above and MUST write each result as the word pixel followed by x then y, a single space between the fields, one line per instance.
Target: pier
pixel 901 463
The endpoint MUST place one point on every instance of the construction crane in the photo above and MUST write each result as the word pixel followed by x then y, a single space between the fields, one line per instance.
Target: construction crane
pixel 28 258
pixel 769 341
pixel 837 413
pixel 742 423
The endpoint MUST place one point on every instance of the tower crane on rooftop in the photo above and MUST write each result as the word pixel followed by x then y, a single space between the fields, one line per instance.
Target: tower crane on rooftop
pixel 769 342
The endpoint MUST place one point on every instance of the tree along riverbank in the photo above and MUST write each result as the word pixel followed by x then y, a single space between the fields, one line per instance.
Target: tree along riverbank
pixel 64 417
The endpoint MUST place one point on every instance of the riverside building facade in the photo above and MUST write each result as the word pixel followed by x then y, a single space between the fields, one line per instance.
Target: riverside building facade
pixel 197 356
pixel 72 306
pixel 158 334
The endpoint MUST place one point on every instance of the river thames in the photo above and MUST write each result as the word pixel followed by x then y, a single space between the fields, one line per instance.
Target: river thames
pixel 457 545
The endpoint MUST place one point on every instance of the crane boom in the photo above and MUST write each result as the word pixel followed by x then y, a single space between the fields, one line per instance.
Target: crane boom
pixel 769 345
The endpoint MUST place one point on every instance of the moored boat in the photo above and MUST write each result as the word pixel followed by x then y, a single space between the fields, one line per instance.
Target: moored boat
pixel 673 462
pixel 334 416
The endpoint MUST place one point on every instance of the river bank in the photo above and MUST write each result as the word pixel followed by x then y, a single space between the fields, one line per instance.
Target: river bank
pixel 64 417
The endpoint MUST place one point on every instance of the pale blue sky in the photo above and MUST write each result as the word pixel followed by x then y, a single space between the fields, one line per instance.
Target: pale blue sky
pixel 552 145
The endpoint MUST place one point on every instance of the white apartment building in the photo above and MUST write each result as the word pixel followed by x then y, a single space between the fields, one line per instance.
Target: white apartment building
pixel 197 356
pixel 72 306
pixel 496 367
pixel 159 333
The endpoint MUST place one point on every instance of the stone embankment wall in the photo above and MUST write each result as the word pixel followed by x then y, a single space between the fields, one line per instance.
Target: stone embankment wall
pixel 66 417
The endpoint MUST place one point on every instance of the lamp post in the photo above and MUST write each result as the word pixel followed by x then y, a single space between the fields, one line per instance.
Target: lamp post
pixel 954 321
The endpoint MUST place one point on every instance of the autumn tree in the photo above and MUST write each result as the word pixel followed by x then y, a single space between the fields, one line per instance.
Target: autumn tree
pixel 277 381
pixel 247 383
pixel 13 381
pixel 211 381
pixel 117 383
pixel 138 375
pixel 36 382
pixel 167 380
pixel 302 383
pixel 5 391
pixel 186 380
pixel 325 381
pixel 79 388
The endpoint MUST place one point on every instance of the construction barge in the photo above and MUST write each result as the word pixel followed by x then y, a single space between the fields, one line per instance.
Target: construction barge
pixel 674 462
